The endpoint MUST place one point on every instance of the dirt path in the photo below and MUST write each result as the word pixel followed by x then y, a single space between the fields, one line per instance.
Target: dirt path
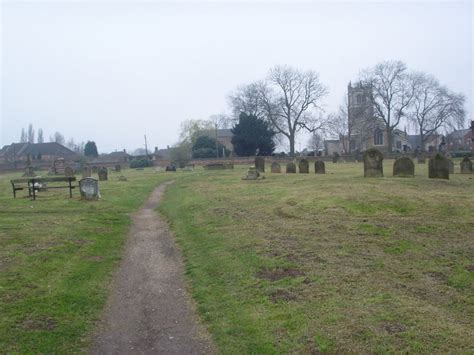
pixel 149 311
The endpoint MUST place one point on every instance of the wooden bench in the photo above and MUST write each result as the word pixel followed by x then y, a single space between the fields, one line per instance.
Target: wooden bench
pixel 33 185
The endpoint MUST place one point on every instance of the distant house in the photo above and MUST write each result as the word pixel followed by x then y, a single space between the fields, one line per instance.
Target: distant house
pixel 38 151
pixel 431 143
pixel 224 137
pixel 460 140
pixel 114 157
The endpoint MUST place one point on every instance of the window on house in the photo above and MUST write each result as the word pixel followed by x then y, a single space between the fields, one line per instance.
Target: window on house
pixel 378 137
pixel 359 99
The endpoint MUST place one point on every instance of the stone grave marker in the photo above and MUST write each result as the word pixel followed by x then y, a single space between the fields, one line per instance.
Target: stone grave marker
pixel 466 165
pixel 260 164
pixel 303 166
pixel 451 166
pixel 103 174
pixel 373 163
pixel 118 168
pixel 319 167
pixel 253 174
pixel 276 168
pixel 291 168
pixel 89 188
pixel 29 172
pixel 86 172
pixel 171 168
pixel 404 167
pixel 438 167
pixel 122 178
pixel 69 171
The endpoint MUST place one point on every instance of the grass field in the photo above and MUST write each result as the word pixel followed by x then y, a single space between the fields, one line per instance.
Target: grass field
pixel 333 263
pixel 293 263
pixel 56 258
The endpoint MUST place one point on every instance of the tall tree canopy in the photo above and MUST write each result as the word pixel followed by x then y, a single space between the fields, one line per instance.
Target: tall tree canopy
pixel 205 147
pixel 252 133
pixel 90 149
pixel 288 99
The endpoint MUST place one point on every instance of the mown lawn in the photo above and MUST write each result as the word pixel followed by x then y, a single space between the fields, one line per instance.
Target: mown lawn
pixel 329 263
pixel 56 259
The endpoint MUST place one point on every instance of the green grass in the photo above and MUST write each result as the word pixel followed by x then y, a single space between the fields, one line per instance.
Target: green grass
pixel 329 263
pixel 56 259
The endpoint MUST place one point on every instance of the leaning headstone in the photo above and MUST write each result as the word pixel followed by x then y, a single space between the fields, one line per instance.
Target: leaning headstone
pixel 319 167
pixel 303 166
pixel 118 168
pixel 103 174
pixel 404 167
pixel 451 166
pixel 89 188
pixel 68 171
pixel 253 174
pixel 86 172
pixel 276 168
pixel 260 164
pixel 291 168
pixel 438 167
pixel 466 166
pixel 373 163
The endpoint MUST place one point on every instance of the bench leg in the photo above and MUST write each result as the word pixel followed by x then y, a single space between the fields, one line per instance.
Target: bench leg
pixel 70 189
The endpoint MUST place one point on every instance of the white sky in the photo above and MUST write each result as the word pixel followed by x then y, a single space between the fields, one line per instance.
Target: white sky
pixel 112 71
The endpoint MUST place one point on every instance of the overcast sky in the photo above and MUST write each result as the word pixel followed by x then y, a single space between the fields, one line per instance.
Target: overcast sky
pixel 111 72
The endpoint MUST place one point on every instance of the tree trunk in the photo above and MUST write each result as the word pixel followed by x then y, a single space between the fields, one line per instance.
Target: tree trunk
pixel 389 139
pixel 292 145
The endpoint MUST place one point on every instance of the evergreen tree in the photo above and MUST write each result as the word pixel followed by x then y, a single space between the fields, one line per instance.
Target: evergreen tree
pixel 31 134
pixel 252 133
pixel 23 137
pixel 205 147
pixel 90 149
pixel 40 136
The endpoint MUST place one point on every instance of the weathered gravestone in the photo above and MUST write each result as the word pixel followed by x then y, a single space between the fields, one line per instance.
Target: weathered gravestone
pixel 319 167
pixel 291 168
pixel 466 166
pixel 103 174
pixel 404 167
pixel 29 172
pixel 89 188
pixel 303 166
pixel 276 168
pixel 86 172
pixel 373 163
pixel 253 174
pixel 260 164
pixel 170 168
pixel 438 167
pixel 69 171
pixel 122 178
pixel 451 166
pixel 118 168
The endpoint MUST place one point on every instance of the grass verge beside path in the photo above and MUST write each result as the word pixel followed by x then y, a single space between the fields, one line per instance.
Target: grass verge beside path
pixel 329 263
pixel 56 259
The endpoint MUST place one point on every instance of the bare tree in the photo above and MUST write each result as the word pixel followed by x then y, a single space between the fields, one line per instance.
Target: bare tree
pixel 434 107
pixel 70 144
pixel 289 99
pixel 40 136
pixel 392 93
pixel 31 134
pixel 316 142
pixel 58 138
pixel 23 137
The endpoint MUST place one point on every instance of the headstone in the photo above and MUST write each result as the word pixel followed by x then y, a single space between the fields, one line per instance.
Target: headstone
pixel 118 168
pixel 319 167
pixel 451 166
pixel 122 178
pixel 170 168
pixel 276 168
pixel 303 166
pixel 103 174
pixel 291 168
pixel 58 167
pixel 260 164
pixel 86 172
pixel 404 167
pixel 29 172
pixel 252 174
pixel 438 167
pixel 373 163
pixel 466 165
pixel 89 188
pixel 335 157
pixel 68 171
